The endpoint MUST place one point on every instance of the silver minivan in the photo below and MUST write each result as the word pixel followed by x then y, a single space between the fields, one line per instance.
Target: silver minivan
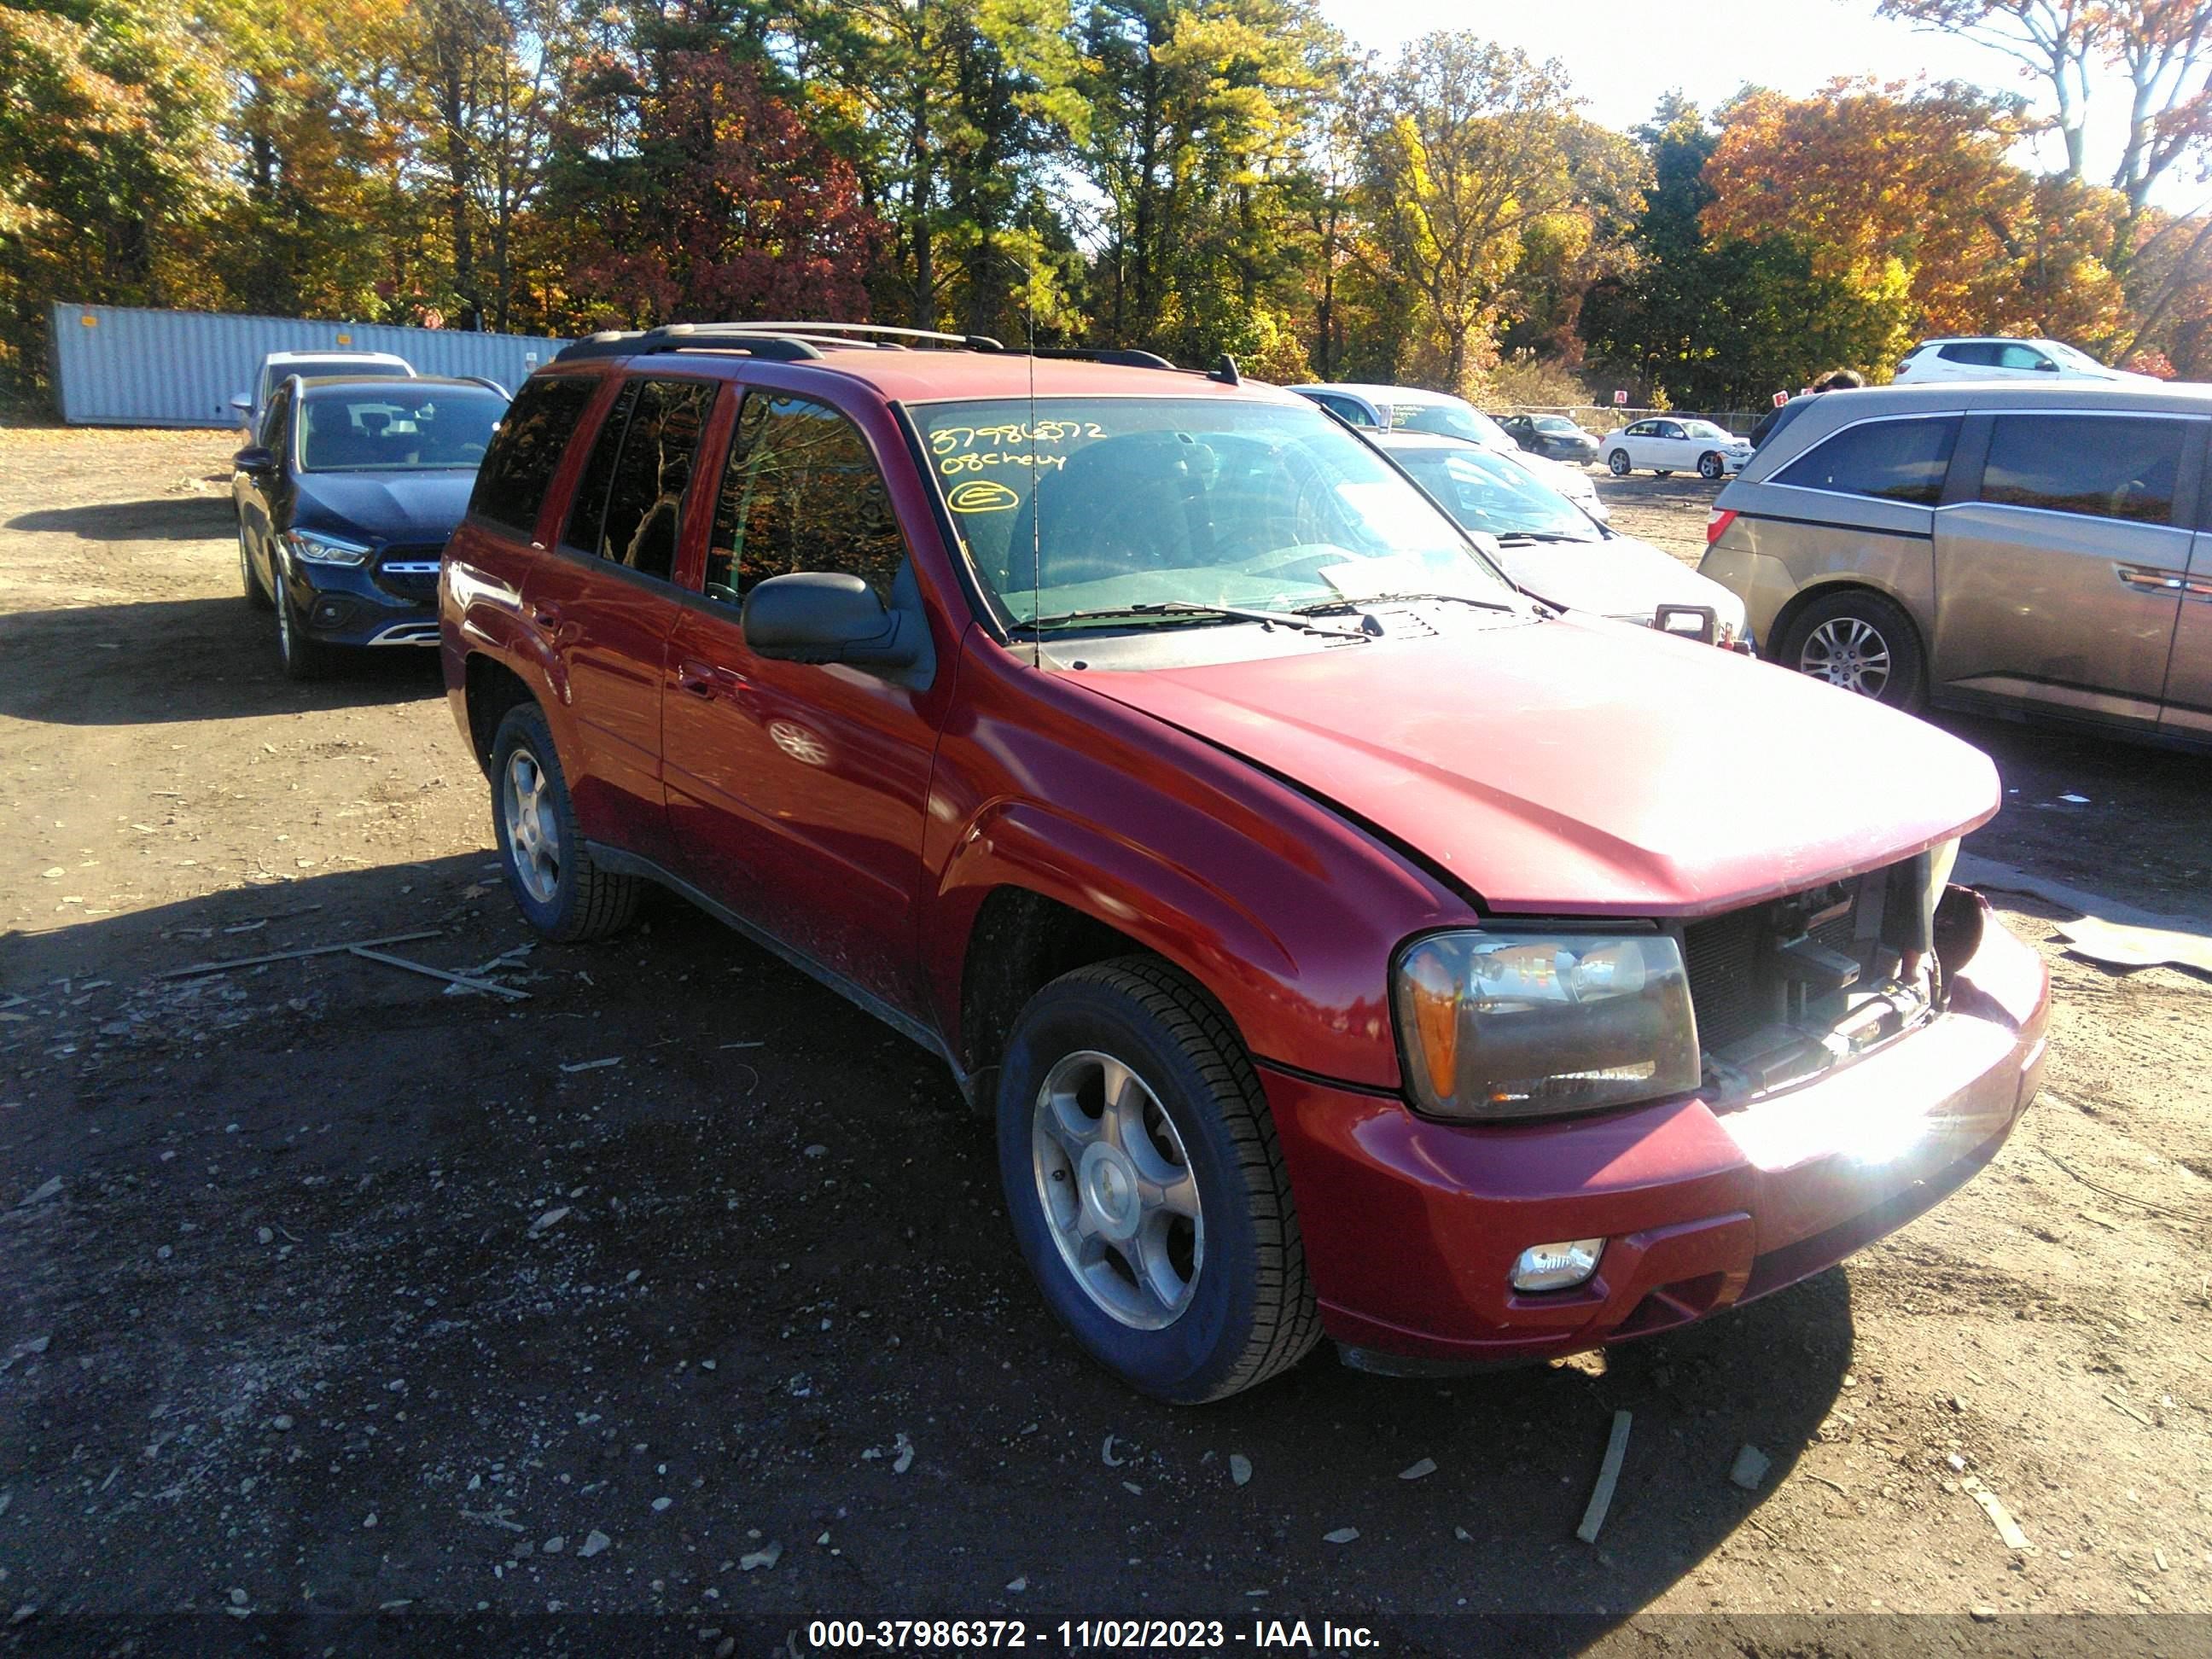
pixel 1998 546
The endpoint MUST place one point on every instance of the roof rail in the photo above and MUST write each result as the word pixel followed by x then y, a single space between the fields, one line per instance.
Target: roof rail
pixel 1120 356
pixel 688 337
pixel 969 342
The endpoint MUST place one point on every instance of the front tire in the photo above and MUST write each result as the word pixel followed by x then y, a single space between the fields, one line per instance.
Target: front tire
pixel 305 659
pixel 1709 466
pixel 1146 1184
pixel 256 594
pixel 1862 642
pixel 559 890
pixel 1617 464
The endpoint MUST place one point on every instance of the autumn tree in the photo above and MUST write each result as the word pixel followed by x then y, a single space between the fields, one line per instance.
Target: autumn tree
pixel 1472 155
pixel 1888 184
pixel 1198 110
pixel 110 152
pixel 690 193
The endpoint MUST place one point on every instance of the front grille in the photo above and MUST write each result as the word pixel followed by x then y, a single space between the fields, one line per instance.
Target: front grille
pixel 419 585
pixel 1737 983
pixel 1731 998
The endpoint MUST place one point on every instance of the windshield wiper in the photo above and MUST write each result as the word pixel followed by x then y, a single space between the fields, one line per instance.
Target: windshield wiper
pixel 1367 599
pixel 1529 538
pixel 1185 608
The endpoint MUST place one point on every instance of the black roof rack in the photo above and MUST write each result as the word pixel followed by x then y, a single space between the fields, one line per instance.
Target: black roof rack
pixel 681 337
pixel 966 341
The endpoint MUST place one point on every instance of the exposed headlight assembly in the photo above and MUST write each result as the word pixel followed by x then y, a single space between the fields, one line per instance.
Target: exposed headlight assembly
pixel 317 548
pixel 1529 1023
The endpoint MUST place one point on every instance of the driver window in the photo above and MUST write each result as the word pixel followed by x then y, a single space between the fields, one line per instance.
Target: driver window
pixel 801 492
pixel 271 436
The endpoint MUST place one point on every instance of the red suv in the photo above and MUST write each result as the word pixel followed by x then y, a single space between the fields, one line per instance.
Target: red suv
pixel 1344 940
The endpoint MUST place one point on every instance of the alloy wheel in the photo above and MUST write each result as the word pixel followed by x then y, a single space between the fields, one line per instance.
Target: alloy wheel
pixel 533 830
pixel 1849 652
pixel 1617 463
pixel 1116 1189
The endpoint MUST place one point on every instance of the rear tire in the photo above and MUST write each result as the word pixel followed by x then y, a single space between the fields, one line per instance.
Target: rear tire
pixel 1862 642
pixel 1128 1110
pixel 1617 463
pixel 559 890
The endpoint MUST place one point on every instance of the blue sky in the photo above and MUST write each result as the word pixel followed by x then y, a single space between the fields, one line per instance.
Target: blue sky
pixel 1623 54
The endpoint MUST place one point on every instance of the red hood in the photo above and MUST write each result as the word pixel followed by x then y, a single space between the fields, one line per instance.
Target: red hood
pixel 1583 767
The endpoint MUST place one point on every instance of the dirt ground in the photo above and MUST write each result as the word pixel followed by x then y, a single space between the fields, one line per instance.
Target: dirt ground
pixel 682 1287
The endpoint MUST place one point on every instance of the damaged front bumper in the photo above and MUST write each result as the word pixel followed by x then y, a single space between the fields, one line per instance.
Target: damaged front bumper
pixel 1411 1226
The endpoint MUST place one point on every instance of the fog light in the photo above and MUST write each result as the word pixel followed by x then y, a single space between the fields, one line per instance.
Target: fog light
pixel 1557 1267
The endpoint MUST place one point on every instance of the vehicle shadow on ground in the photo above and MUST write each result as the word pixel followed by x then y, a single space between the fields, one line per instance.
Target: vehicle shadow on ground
pixel 162 519
pixel 685 1250
pixel 212 658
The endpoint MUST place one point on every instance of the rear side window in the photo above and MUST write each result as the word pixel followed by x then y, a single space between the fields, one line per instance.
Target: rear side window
pixel 526 450
pixel 802 492
pixel 2115 467
pixel 629 507
pixel 1890 460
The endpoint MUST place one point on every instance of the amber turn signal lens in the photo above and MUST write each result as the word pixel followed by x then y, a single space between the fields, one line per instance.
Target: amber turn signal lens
pixel 1433 993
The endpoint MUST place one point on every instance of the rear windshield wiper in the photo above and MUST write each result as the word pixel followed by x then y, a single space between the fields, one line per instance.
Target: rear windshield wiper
pixel 1185 608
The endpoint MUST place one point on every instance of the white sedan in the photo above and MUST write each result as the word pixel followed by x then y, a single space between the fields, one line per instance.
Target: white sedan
pixel 1554 550
pixel 1667 445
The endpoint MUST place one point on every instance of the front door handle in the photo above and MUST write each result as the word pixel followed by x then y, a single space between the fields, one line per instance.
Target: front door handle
pixel 545 616
pixel 706 680
pixel 2148 579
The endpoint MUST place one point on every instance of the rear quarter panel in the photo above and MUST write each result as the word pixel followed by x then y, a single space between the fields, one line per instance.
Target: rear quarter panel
pixel 1786 543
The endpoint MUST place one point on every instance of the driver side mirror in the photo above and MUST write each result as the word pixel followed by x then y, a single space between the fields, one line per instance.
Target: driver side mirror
pixel 242 403
pixel 254 458
pixel 2044 366
pixel 824 616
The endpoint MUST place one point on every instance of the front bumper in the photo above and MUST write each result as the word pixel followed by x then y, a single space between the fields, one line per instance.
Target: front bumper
pixel 356 604
pixel 1411 1226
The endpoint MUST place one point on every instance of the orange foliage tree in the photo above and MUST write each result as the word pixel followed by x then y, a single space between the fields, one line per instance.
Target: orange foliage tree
pixel 1910 190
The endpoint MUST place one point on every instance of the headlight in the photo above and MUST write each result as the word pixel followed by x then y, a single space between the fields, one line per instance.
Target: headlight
pixel 318 549
pixel 1527 1024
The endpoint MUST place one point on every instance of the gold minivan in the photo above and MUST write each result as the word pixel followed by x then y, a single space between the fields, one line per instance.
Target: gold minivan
pixel 1987 546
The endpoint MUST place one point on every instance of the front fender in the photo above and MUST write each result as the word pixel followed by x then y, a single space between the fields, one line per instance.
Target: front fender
pixel 1287 914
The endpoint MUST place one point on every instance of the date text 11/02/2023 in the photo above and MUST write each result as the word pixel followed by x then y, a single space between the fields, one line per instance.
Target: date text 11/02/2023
pixel 1076 1635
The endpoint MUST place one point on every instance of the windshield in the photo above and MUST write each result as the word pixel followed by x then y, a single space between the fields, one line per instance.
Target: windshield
pixel 358 429
pixel 1494 496
pixel 1095 503
pixel 1703 429
pixel 1451 420
pixel 2067 353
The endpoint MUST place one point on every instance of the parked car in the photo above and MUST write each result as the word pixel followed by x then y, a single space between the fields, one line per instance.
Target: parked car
pixel 1410 408
pixel 2042 547
pixel 344 501
pixel 1554 437
pixel 1990 357
pixel 1552 549
pixel 1341 941
pixel 279 367
pixel 1668 444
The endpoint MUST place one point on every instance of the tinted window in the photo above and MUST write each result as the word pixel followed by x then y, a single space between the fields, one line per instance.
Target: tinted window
pixel 801 492
pixel 1979 354
pixel 2115 468
pixel 413 427
pixel 512 483
pixel 272 420
pixel 1890 460
pixel 644 506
